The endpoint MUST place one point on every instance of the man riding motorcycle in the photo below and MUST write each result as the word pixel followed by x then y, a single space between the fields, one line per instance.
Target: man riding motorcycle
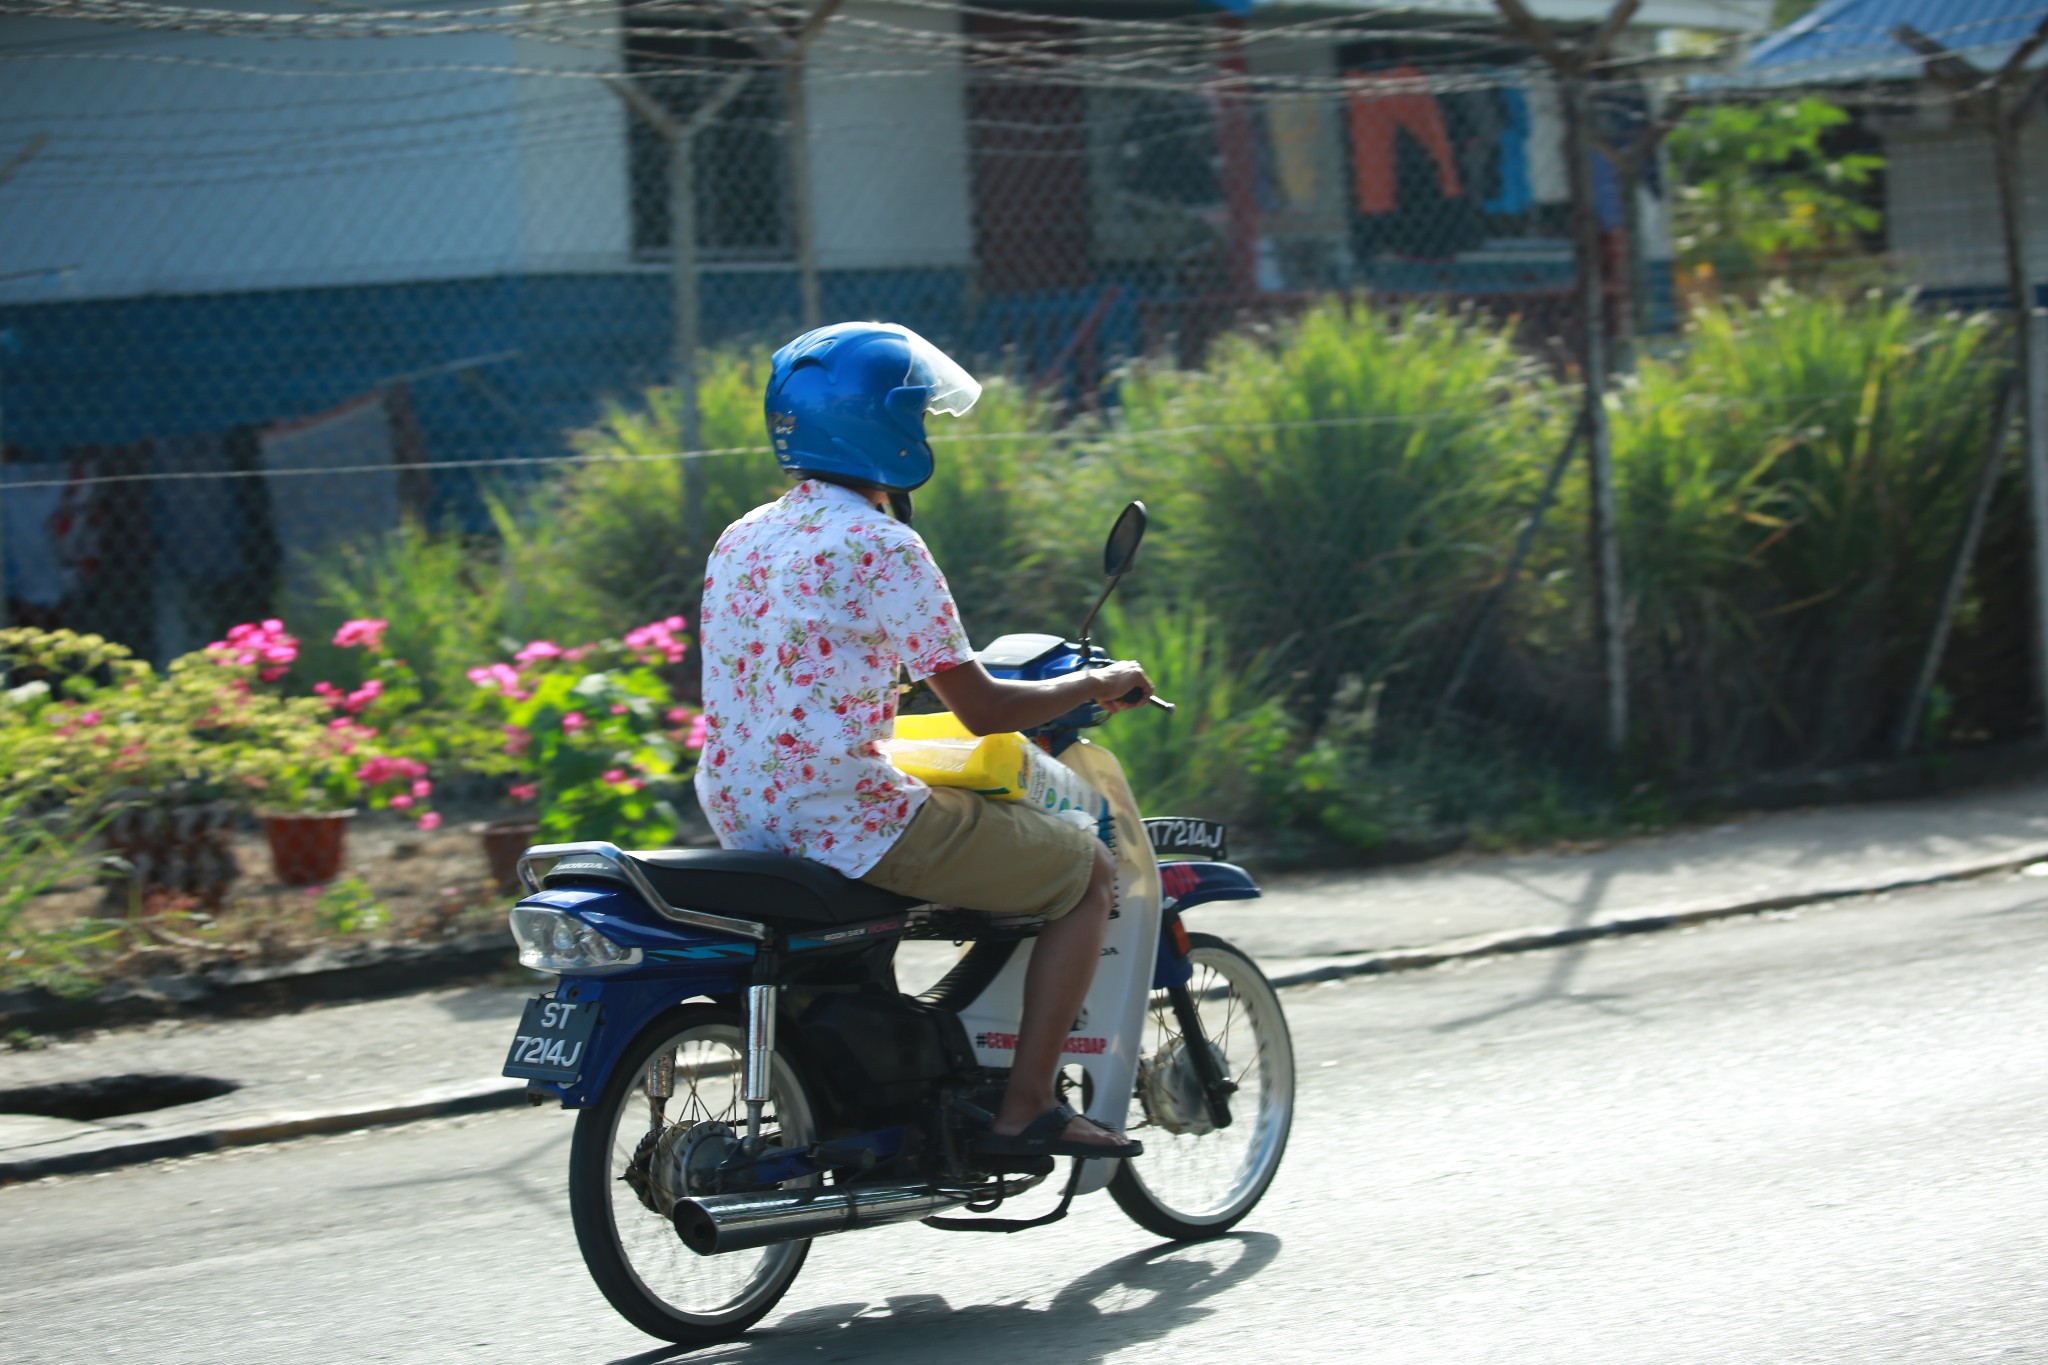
pixel 812 603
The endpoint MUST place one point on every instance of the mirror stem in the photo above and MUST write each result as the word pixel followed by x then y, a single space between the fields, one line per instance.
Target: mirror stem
pixel 1109 588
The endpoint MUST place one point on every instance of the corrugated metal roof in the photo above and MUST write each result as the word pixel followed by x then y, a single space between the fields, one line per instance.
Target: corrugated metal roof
pixel 1848 40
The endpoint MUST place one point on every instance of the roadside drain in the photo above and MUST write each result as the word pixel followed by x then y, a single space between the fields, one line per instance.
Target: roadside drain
pixel 107 1097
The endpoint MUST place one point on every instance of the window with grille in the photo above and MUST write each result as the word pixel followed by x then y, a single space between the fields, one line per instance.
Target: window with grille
pixel 742 164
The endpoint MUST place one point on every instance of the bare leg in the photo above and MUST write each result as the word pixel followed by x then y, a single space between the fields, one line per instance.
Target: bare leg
pixel 1063 961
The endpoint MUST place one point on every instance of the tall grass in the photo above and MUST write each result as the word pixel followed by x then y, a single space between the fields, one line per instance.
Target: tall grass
pixel 1343 487
pixel 1793 483
pixel 1229 732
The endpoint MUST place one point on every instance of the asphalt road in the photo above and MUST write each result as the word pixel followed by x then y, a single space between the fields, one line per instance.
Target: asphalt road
pixel 1812 1137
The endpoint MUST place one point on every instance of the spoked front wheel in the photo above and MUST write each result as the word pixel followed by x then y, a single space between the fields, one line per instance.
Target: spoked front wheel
pixel 1197 1179
pixel 633 1155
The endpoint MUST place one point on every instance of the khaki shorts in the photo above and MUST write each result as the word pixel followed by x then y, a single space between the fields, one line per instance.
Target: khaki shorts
pixel 997 857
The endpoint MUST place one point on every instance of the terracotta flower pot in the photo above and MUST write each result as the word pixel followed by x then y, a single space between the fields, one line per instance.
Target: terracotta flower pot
pixel 504 841
pixel 306 850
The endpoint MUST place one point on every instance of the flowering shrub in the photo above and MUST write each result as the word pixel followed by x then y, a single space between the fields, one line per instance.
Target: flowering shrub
pixel 593 733
pixel 92 717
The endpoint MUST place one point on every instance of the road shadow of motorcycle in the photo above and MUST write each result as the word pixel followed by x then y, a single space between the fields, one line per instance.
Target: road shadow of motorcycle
pixel 1135 1298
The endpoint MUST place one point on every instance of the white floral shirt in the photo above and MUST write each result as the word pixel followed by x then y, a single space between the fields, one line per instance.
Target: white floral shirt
pixel 811 604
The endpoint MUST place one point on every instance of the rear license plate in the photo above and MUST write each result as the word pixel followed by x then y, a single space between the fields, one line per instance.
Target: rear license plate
pixel 1178 837
pixel 553 1040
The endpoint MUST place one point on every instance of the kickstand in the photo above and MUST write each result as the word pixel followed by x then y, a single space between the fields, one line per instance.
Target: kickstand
pixel 1011 1224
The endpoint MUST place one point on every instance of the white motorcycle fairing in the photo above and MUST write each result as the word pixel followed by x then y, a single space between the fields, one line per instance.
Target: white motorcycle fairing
pixel 1106 1038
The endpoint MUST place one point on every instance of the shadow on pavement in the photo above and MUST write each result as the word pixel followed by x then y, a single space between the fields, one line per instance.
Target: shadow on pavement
pixel 1564 965
pixel 1136 1298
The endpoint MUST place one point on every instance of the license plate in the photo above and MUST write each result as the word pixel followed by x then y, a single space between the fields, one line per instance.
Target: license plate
pixel 1178 837
pixel 553 1040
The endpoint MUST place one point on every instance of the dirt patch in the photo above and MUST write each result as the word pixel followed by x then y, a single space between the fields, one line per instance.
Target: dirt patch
pixel 397 884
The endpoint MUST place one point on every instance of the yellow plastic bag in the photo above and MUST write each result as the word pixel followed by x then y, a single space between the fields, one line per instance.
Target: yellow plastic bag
pixel 941 752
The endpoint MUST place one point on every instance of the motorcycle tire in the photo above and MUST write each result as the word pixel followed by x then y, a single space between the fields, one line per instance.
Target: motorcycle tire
pixel 630 1247
pixel 1195 1180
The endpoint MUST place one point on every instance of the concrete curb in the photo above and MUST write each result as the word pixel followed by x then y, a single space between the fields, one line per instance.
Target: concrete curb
pixel 251 1132
pixel 486 1098
pixel 1340 967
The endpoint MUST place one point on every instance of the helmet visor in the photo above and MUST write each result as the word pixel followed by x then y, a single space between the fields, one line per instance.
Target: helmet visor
pixel 950 388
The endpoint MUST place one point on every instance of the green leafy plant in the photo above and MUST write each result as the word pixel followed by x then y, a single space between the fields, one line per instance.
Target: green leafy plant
pixel 595 734
pixel 1758 192
pixel 349 906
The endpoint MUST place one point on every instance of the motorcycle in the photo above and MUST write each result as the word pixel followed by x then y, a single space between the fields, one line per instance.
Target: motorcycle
pixel 749 1076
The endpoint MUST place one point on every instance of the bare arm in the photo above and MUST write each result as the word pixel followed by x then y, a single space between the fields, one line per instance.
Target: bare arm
pixel 990 706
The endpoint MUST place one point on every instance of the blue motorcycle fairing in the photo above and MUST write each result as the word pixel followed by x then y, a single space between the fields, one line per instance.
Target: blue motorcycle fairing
pixel 1184 885
pixel 627 1004
pixel 1036 658
pixel 620 916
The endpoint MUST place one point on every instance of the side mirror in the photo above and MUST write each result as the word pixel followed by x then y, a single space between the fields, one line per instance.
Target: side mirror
pixel 1120 555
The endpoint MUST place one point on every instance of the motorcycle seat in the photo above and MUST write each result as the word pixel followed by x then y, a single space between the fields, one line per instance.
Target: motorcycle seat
pixel 787 893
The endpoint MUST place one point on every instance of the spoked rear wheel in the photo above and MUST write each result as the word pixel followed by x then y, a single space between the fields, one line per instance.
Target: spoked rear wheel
pixel 1197 1180
pixel 630 1159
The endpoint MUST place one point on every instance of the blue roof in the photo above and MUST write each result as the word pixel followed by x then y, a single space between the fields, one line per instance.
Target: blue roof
pixel 1845 40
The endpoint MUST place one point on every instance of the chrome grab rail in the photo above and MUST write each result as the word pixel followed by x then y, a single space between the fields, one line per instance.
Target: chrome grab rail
pixel 637 879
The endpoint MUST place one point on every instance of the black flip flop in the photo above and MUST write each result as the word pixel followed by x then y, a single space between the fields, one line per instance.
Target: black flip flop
pixel 1041 1137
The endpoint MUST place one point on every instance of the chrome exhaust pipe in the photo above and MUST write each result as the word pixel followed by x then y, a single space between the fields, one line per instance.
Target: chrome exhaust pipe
pixel 741 1222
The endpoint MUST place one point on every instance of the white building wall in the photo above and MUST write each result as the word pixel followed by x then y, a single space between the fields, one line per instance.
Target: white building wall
pixel 889 171
pixel 186 162
pixel 1941 205
pixel 575 191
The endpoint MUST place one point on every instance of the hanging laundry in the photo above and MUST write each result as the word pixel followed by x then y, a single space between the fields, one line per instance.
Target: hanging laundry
pixel 314 513
pixel 1294 133
pixel 1513 193
pixel 1549 182
pixel 1411 201
pixel 37 579
pixel 1381 108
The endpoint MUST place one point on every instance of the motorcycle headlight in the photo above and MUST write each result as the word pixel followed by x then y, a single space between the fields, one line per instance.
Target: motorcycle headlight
pixel 550 941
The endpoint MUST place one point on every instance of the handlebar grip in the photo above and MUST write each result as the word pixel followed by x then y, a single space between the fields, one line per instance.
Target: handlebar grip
pixel 1135 695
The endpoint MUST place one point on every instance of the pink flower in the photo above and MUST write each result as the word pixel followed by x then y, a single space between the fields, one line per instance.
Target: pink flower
pixel 618 708
pixel 502 677
pixel 89 719
pixel 659 638
pixel 430 822
pixel 355 701
pixel 539 650
pixel 523 791
pixel 401 802
pixel 367 632
pixel 264 646
pixel 423 789
pixel 696 736
pixel 574 721
pixel 615 775
pixel 379 769
pixel 517 737
pixel 329 691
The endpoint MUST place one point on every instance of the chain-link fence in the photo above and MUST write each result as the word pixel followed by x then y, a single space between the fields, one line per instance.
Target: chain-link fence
pixel 294 301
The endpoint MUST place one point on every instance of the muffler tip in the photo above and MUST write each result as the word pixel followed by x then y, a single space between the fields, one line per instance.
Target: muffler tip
pixel 695 1227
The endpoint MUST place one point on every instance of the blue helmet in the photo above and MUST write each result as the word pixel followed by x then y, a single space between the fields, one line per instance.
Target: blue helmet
pixel 850 400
